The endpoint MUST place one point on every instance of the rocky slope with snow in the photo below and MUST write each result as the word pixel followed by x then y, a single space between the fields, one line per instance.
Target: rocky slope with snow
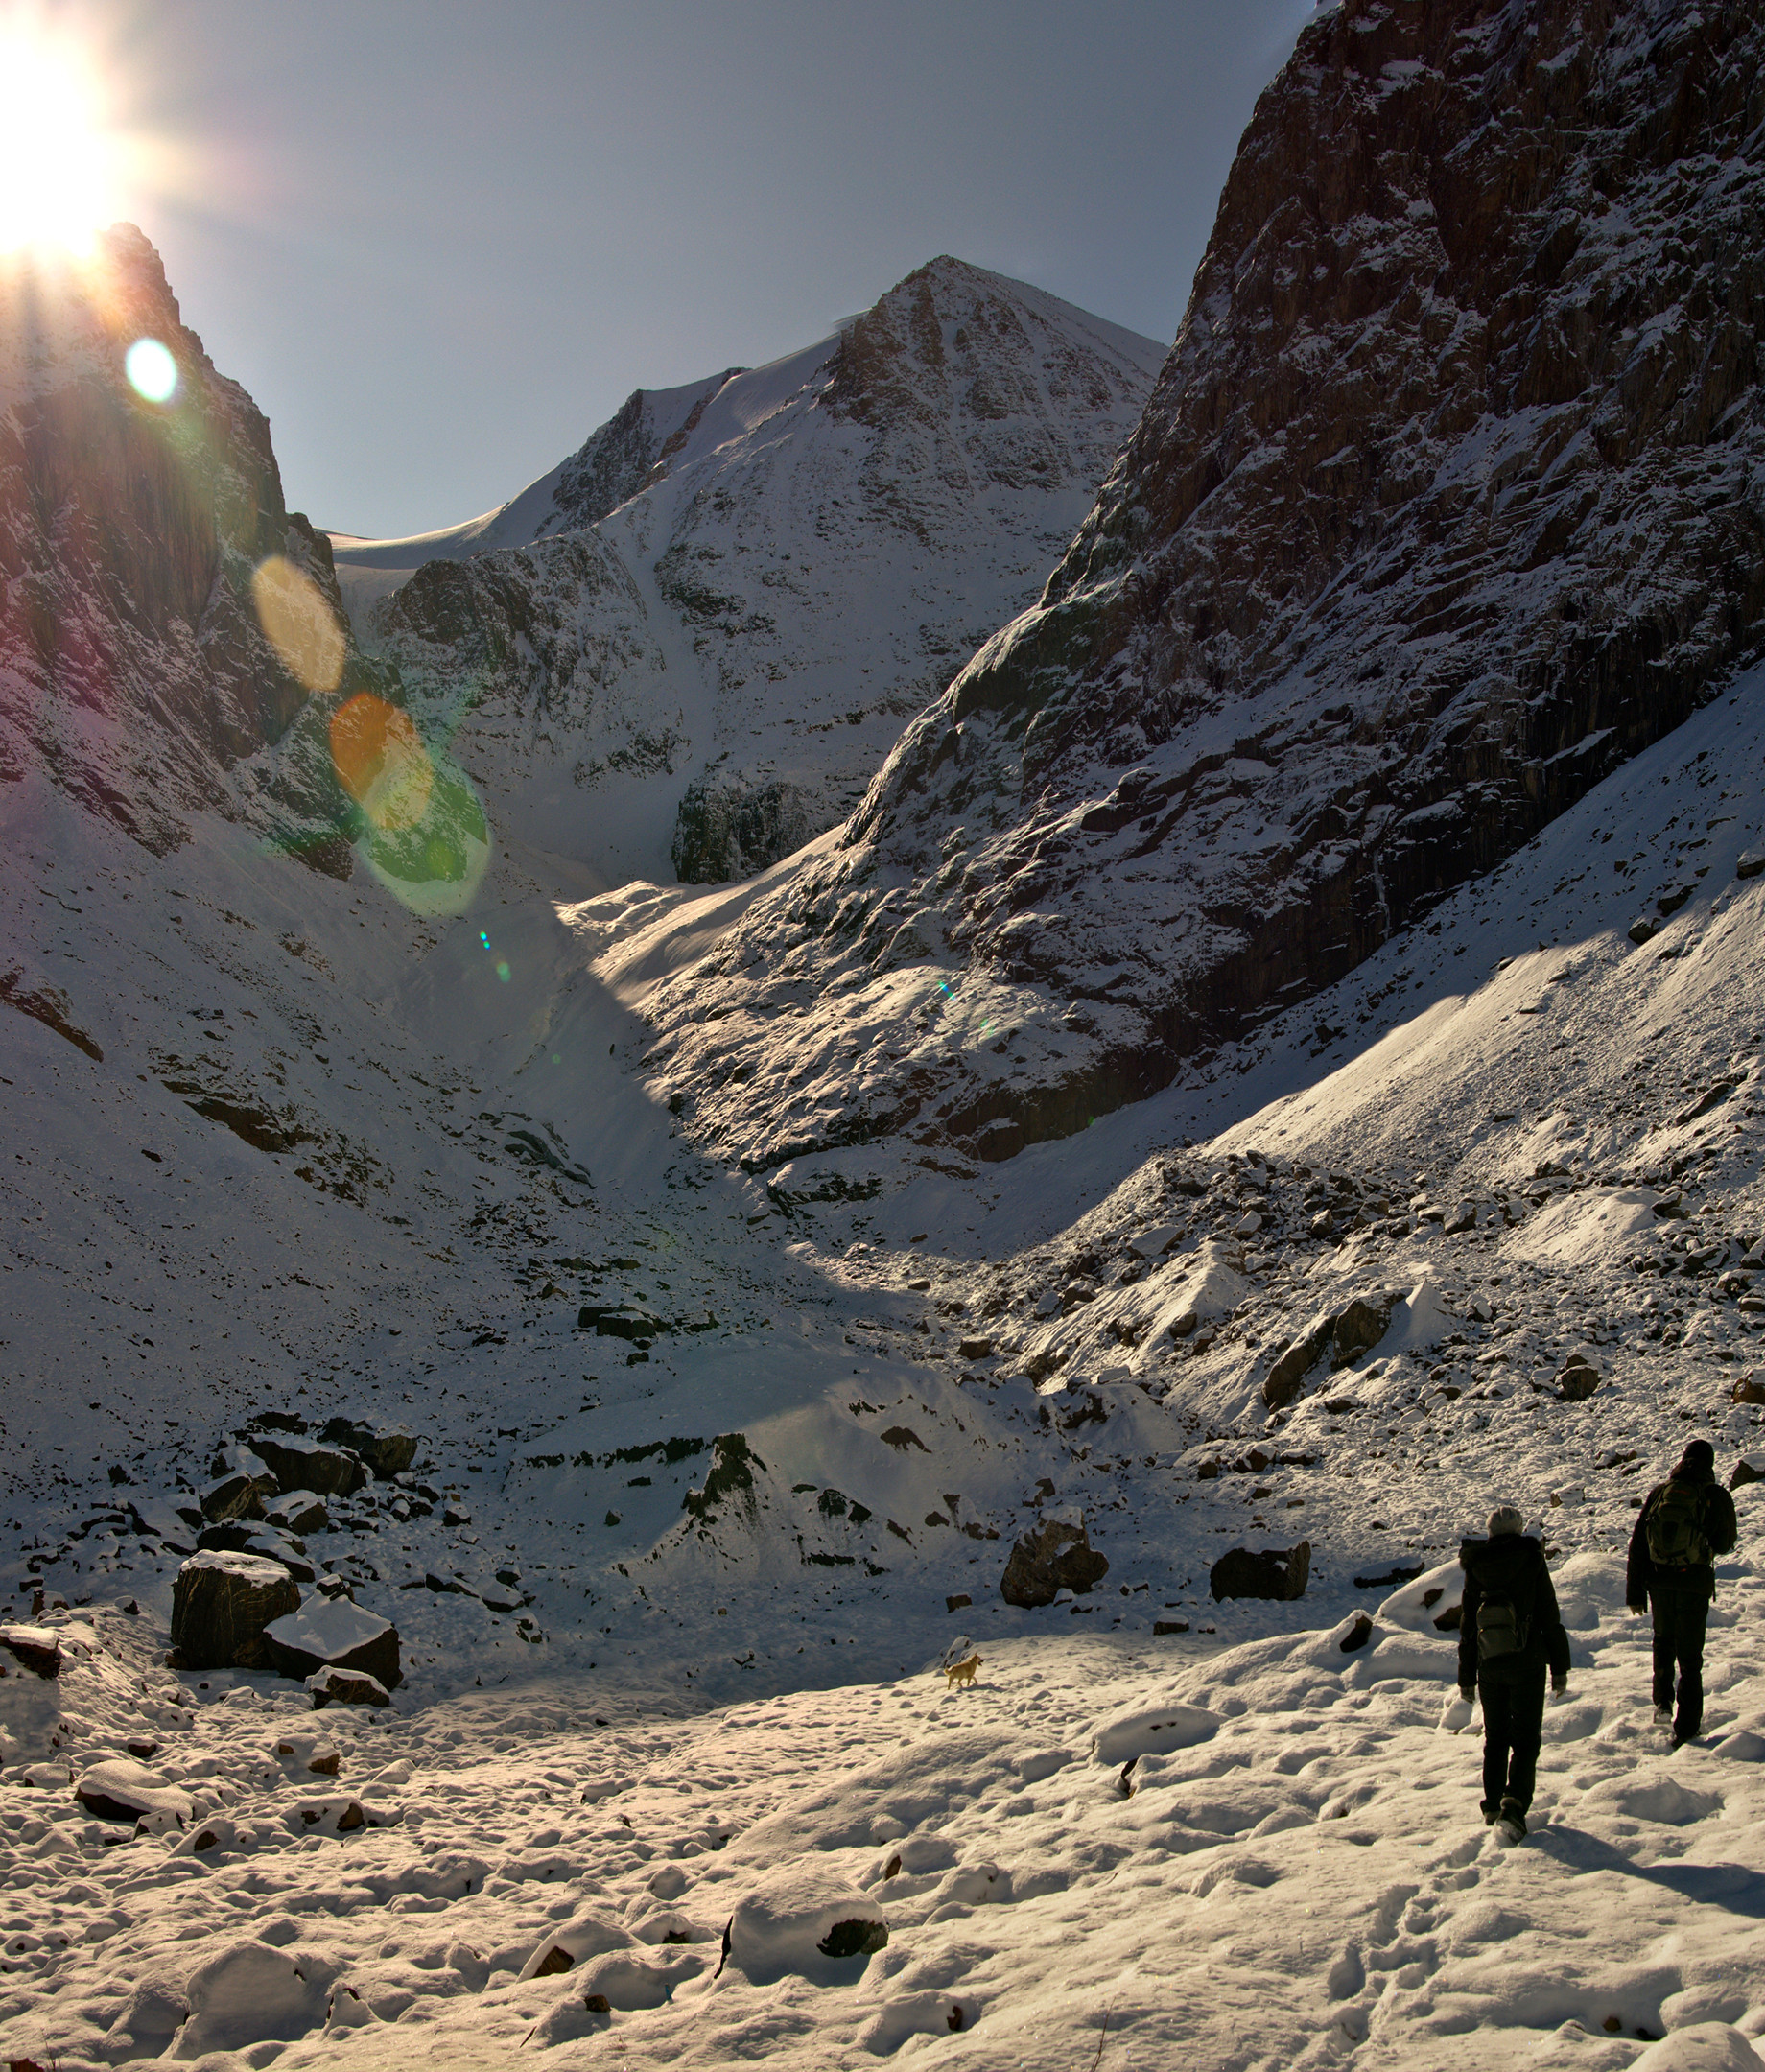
pixel 1447 501
pixel 133 668
pixel 695 682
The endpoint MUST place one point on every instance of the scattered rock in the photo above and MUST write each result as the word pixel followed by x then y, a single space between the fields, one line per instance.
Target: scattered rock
pixel 388 1450
pixel 958 1603
pixel 1578 1380
pixel 128 1791
pixel 300 1511
pixel 1287 1375
pixel 36 1648
pixel 802 1914
pixel 306 1464
pixel 1360 1327
pixel 1464 1217
pixel 582 1937
pixel 1750 863
pixel 1746 1472
pixel 1356 1634
pixel 1170 1625
pixel 249 1993
pixel 974 1347
pixel 1269 1572
pixel 1159 1730
pixel 228 1497
pixel 1749 1390
pixel 334 1634
pixel 1155 1243
pixel 1055 1555
pixel 620 1320
pixel 221 1604
pixel 1643 930
pixel 333 1685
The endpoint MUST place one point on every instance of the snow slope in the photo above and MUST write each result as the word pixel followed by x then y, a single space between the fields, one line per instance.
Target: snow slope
pixel 1308 1884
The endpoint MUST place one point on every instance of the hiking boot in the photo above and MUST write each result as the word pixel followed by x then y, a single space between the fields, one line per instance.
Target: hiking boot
pixel 1663 1715
pixel 1512 1821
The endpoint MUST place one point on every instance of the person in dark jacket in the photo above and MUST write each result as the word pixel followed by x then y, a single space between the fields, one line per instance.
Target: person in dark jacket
pixel 1510 1635
pixel 1684 1524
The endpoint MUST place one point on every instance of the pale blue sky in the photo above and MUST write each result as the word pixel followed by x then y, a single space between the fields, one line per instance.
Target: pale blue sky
pixel 441 240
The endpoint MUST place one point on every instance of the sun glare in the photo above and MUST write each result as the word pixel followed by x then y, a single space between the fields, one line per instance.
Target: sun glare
pixel 58 170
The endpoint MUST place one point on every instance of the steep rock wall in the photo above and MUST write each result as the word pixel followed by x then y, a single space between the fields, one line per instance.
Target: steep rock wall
pixel 1451 495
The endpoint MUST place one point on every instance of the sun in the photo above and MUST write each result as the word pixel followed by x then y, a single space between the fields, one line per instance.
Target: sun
pixel 59 160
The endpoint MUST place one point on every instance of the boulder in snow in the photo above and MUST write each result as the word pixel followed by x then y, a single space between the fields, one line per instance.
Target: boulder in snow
pixel 127 1791
pixel 332 1686
pixel 1579 1379
pixel 575 1942
pixel 332 1632
pixel 248 1993
pixel 1703 2047
pixel 231 1496
pixel 1152 1731
pixel 300 1511
pixel 221 1604
pixel 1747 1471
pixel 801 1920
pixel 1276 1573
pixel 36 1648
pixel 306 1464
pixel 1054 1557
pixel 388 1450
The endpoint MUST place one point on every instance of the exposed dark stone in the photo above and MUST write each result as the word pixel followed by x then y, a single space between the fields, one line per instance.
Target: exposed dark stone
pixel 36 1648
pixel 333 1685
pixel 1745 1471
pixel 1578 1380
pixel 333 1635
pixel 958 1603
pixel 620 1320
pixel 854 1939
pixel 724 832
pixel 1358 1634
pixel 1054 1557
pixel 231 1496
pixel 306 1464
pixel 221 1604
pixel 387 1450
pixel 1275 1572
pixel 1360 1327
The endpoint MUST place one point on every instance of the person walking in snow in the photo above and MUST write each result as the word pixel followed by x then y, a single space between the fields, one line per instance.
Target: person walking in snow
pixel 1684 1524
pixel 1510 1635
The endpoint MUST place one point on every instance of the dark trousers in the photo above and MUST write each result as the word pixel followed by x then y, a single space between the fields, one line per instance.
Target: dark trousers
pixel 1513 1727
pixel 1679 1620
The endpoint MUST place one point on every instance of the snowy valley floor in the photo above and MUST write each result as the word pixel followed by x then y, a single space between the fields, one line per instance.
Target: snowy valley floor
pixel 670 1611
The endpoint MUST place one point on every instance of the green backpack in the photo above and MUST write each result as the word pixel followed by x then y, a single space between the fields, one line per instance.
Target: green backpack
pixel 1504 1621
pixel 1677 1539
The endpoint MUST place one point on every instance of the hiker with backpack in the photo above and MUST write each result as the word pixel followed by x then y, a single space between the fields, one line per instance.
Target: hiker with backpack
pixel 1684 1524
pixel 1510 1635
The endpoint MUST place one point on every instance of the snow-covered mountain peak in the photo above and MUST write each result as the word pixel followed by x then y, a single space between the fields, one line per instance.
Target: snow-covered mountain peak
pixel 784 563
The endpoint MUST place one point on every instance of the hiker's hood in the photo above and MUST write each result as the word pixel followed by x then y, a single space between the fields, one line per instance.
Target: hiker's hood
pixel 1692 1472
pixel 1506 1552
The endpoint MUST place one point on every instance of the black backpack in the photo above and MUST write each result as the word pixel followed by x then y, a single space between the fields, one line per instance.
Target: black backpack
pixel 1677 1536
pixel 1504 1618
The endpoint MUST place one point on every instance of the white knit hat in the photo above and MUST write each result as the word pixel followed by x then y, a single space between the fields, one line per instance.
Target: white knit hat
pixel 1505 1519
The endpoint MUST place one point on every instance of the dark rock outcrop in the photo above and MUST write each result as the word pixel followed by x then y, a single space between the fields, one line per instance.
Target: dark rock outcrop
pixel 308 1464
pixel 221 1604
pixel 386 1449
pixel 333 1635
pixel 1447 501
pixel 1278 1572
pixel 1055 1557
pixel 133 671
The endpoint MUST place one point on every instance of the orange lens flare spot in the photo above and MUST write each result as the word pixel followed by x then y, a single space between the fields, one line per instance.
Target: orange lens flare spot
pixel 381 762
pixel 298 624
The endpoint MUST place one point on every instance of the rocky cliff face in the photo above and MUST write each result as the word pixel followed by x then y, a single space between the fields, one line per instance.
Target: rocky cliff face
pixel 1450 497
pixel 694 679
pixel 132 669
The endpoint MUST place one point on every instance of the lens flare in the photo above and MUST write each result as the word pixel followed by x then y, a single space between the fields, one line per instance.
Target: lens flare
pixel 298 622
pixel 59 163
pixel 151 370
pixel 381 762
